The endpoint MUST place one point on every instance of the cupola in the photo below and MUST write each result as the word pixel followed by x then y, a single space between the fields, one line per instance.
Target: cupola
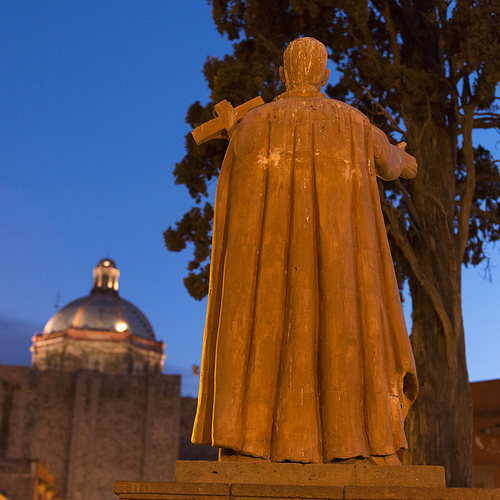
pixel 100 331
pixel 106 276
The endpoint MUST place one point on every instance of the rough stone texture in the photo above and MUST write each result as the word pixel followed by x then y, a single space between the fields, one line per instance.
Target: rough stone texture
pixel 415 475
pixel 199 491
pixel 392 493
pixel 309 474
pixel 127 490
pixel 17 483
pixel 285 491
pixel 265 473
pixel 91 425
pixel 156 487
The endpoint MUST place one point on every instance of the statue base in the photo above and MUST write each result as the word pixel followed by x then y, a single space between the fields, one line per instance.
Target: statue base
pixel 309 474
pixel 196 480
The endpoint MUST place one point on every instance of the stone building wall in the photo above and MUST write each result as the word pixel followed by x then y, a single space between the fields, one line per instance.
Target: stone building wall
pixel 16 483
pixel 486 433
pixel 188 450
pixel 90 428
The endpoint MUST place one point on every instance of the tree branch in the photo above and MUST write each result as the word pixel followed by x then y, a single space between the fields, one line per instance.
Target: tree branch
pixel 393 36
pixel 485 215
pixel 487 121
pixel 408 202
pixel 369 48
pixel 384 112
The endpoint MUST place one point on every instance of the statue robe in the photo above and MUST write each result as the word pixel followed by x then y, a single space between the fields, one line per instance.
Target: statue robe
pixel 306 355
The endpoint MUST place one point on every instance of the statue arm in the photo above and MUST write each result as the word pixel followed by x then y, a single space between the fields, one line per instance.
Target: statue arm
pixel 391 161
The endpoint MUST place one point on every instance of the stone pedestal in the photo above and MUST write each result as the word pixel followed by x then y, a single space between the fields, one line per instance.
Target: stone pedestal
pixel 275 481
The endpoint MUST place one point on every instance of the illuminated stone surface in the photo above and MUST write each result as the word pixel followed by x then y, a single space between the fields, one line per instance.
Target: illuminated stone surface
pixel 309 474
pixel 306 355
pixel 386 486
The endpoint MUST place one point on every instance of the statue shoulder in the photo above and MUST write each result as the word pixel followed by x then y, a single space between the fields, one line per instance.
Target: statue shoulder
pixel 259 113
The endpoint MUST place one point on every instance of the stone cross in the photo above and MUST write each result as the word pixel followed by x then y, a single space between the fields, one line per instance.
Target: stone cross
pixel 226 118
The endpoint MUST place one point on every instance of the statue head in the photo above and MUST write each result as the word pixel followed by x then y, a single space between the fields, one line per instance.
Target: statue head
pixel 304 65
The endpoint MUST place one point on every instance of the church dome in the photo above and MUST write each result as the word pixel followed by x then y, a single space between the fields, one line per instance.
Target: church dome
pixel 103 309
pixel 101 332
pixel 101 312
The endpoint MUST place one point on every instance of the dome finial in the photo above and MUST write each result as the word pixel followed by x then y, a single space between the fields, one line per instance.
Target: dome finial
pixel 106 276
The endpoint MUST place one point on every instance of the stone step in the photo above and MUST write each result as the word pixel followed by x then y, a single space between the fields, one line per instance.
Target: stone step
pixel 132 490
pixel 357 474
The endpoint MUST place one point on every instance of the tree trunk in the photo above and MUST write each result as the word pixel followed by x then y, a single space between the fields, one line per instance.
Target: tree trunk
pixel 439 426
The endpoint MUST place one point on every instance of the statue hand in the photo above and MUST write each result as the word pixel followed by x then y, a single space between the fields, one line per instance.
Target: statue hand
pixel 410 166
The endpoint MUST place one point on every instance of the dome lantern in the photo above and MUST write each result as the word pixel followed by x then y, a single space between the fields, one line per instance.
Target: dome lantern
pixel 106 276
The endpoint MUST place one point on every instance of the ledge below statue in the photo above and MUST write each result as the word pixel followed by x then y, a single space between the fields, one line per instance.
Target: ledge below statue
pixel 308 474
pixel 130 490
pixel 196 480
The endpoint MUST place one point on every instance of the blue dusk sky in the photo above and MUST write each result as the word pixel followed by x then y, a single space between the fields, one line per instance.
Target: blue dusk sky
pixel 93 98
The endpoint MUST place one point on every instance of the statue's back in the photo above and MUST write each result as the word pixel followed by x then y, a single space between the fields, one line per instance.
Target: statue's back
pixel 306 352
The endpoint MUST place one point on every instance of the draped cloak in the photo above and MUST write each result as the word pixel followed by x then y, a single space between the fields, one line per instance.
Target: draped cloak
pixel 306 355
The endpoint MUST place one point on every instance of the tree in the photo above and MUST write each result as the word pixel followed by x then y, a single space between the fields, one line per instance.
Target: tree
pixel 424 71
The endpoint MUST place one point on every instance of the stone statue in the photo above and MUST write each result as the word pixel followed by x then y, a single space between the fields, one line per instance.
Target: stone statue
pixel 306 355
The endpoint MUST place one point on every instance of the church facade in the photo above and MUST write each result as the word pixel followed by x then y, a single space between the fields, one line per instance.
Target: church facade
pixel 94 407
